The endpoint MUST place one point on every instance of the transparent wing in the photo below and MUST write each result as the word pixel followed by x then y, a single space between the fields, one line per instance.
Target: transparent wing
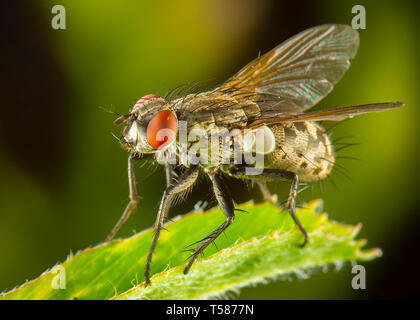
pixel 299 72
pixel 336 114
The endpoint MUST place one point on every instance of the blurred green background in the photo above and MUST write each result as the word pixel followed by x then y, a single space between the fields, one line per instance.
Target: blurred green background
pixel 63 181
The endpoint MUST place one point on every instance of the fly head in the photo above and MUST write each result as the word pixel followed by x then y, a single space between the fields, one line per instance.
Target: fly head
pixel 150 127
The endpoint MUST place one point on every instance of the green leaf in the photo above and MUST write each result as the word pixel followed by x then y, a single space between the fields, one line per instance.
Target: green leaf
pixel 262 243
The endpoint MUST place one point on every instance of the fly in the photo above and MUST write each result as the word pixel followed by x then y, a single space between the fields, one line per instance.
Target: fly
pixel 263 133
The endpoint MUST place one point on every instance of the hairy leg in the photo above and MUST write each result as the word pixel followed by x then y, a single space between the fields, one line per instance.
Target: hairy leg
pixel 176 186
pixel 226 203
pixel 132 205
pixel 272 175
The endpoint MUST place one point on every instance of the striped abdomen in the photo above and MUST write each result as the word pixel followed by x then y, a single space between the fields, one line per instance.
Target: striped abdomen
pixel 303 148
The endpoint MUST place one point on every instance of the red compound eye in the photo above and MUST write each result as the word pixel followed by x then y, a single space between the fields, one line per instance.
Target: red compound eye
pixel 142 100
pixel 162 129
pixel 147 97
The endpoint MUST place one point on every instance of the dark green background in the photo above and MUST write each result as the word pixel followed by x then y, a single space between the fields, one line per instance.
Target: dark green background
pixel 63 180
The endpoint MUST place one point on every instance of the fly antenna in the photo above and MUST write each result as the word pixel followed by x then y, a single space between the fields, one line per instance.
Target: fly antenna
pixel 121 119
pixel 109 111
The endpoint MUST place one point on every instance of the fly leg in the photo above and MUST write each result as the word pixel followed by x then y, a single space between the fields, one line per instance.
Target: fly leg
pixel 185 181
pixel 170 176
pixel 226 203
pixel 134 195
pixel 270 175
pixel 132 205
pixel 267 195
pixel 291 207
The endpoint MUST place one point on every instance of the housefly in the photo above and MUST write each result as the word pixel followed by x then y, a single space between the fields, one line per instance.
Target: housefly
pixel 263 133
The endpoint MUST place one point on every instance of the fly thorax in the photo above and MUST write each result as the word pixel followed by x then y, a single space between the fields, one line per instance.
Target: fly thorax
pixel 213 146
pixel 207 145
